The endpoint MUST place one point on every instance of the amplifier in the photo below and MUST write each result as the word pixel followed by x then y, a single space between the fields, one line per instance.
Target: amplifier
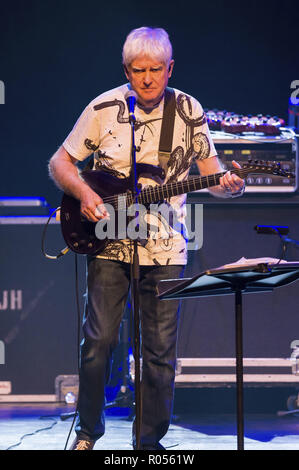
pixel 281 149
pixel 22 206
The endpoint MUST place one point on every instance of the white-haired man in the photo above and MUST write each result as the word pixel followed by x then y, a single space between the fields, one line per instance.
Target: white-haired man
pixel 104 130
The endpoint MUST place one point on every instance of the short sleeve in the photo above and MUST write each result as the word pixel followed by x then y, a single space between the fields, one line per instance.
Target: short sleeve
pixel 84 138
pixel 202 141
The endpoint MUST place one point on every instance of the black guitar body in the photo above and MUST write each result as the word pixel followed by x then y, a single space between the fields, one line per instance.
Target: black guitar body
pixel 79 233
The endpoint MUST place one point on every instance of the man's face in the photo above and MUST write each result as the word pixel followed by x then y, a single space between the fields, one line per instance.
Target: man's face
pixel 148 78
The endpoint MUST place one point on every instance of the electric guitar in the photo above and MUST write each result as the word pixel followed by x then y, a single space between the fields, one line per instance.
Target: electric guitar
pixel 79 233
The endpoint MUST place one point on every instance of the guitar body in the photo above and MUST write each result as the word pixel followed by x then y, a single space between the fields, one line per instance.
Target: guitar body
pixel 79 233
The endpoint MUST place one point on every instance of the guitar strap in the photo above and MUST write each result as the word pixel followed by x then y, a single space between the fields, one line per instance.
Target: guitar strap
pixel 166 135
pixel 167 127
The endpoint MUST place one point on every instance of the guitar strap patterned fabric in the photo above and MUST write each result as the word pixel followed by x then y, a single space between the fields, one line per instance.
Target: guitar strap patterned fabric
pixel 167 127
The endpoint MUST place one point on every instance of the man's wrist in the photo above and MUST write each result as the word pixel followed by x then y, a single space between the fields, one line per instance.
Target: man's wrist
pixel 238 193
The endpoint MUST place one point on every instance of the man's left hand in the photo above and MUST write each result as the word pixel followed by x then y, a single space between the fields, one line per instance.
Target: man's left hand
pixel 231 183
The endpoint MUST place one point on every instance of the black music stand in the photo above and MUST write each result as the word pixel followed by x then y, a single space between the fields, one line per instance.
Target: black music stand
pixel 237 280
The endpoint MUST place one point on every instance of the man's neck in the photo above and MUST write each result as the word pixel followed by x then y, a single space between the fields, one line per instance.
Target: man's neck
pixel 149 108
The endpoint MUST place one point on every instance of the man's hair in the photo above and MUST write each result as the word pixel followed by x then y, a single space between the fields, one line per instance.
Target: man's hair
pixel 152 42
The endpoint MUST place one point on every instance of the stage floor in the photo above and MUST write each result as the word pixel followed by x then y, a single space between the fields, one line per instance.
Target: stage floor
pixel 40 427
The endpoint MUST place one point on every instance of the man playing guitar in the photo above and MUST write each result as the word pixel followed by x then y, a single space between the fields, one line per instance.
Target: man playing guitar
pixel 103 130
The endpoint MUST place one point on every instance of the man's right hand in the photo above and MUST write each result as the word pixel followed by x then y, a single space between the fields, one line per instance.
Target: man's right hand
pixel 92 206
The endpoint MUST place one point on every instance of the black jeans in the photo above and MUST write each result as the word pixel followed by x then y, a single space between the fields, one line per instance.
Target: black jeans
pixel 107 291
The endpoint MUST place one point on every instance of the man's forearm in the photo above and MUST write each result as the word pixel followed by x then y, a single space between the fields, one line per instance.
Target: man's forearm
pixel 66 176
pixel 64 172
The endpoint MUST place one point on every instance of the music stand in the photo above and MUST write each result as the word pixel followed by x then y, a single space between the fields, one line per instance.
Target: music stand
pixel 237 280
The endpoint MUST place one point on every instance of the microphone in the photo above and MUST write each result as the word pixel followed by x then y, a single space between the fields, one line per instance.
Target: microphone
pixel 131 98
pixel 271 229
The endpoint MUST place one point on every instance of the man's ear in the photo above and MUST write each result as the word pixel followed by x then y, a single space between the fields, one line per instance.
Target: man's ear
pixel 170 68
pixel 126 71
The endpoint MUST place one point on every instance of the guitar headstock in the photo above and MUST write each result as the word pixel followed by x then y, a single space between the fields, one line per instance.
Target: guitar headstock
pixel 260 166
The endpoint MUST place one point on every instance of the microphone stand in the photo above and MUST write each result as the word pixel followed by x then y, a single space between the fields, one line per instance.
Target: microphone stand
pixel 134 274
pixel 291 241
pixel 285 240
pixel 282 232
pixel 135 292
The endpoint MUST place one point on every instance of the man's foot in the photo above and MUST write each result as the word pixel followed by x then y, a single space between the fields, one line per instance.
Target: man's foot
pixel 82 444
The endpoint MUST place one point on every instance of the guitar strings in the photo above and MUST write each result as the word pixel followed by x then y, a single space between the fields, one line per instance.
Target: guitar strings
pixel 149 192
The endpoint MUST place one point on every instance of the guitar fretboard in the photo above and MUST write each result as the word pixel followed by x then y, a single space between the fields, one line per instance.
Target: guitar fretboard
pixel 158 193
pixel 153 194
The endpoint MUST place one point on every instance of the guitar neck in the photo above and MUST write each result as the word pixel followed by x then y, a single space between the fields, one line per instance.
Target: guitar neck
pixel 159 193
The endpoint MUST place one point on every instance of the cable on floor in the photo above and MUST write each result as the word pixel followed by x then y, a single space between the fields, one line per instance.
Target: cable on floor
pixel 35 432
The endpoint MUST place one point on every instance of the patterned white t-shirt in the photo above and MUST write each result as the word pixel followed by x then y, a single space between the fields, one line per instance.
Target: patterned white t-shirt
pixel 104 130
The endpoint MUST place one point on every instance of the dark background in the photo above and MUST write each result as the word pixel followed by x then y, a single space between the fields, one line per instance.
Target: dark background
pixel 56 56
